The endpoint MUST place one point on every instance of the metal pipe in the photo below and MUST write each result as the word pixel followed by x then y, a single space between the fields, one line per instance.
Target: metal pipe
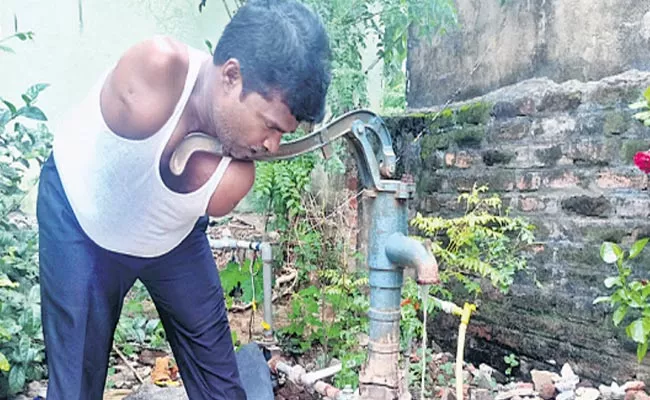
pixel 298 375
pixel 407 252
pixel 267 274
pixel 267 260
pixel 380 377
pixel 312 377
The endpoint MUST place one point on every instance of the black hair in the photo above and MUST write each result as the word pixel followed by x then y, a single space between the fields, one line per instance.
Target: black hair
pixel 282 47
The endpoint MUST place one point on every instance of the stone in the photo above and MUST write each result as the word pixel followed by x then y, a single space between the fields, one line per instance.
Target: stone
pixel 549 156
pixel 36 389
pixel 567 372
pixel 504 109
pixel 480 394
pixel 633 385
pixel 547 391
pixel 587 206
pixel 544 383
pixel 483 380
pixel 149 391
pixel 584 393
pixel 612 392
pixel 493 157
pixel 641 395
pixel 568 395
pixel 522 392
pixel 568 380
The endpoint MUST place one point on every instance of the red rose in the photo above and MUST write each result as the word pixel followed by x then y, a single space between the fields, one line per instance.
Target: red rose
pixel 642 160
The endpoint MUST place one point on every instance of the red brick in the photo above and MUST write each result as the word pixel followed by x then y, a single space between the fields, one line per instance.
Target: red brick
pixel 537 204
pixel 531 204
pixel 459 160
pixel 463 160
pixel 450 159
pixel 622 180
pixel 529 182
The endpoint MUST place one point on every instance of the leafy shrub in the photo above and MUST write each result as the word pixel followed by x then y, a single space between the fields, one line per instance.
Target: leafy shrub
pixel 24 143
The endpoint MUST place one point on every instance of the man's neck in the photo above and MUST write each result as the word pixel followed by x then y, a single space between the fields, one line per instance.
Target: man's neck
pixel 201 114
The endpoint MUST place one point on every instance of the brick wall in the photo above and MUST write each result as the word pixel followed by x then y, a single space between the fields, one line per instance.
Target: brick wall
pixel 560 155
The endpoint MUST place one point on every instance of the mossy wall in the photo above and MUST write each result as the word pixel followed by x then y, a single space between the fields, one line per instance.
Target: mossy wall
pixel 560 155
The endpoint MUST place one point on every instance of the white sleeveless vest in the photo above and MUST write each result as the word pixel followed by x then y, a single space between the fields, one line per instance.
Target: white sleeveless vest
pixel 114 185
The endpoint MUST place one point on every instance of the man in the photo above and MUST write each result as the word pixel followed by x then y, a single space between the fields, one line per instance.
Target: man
pixel 110 211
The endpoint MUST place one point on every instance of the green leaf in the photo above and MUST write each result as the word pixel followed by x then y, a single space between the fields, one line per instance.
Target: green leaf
pixel 637 247
pixel 10 106
pixel 639 105
pixel 16 379
pixel 643 115
pixel 641 350
pixel 638 330
pixel 7 49
pixel 4 363
pixel 619 314
pixel 601 299
pixel 33 113
pixel 5 116
pixel 34 90
pixel 610 252
pixel 612 281
pixel 646 95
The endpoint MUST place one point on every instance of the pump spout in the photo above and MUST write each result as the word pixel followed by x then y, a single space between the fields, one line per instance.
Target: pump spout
pixel 407 252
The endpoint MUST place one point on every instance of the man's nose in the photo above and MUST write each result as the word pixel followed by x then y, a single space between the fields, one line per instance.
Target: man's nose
pixel 272 144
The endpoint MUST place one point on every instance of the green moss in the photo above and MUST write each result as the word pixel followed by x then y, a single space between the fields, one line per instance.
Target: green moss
pixel 444 120
pixel 631 147
pixel 615 123
pixel 432 142
pixel 469 135
pixel 475 113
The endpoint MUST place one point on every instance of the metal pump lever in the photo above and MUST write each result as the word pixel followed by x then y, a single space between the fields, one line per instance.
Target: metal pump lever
pixel 354 125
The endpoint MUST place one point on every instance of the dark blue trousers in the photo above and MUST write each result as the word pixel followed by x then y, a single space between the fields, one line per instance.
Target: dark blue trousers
pixel 82 292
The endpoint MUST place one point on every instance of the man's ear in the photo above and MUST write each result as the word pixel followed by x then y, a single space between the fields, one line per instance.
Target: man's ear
pixel 231 74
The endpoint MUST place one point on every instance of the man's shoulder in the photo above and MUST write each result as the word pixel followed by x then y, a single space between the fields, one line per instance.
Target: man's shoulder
pixel 143 89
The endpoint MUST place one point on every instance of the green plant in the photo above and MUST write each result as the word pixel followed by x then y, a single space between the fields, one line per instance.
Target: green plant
pixel 139 327
pixel 415 374
pixel 511 361
pixel 243 282
pixel 630 296
pixel 643 108
pixel 485 242
pixel 24 143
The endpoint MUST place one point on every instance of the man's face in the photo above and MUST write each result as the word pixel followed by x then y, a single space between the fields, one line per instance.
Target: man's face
pixel 249 124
